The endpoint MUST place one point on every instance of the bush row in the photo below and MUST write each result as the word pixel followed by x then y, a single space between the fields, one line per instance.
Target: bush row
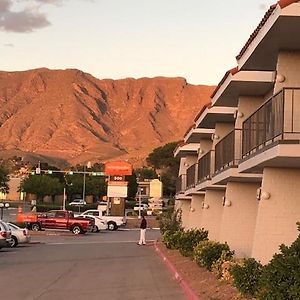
pixel 279 279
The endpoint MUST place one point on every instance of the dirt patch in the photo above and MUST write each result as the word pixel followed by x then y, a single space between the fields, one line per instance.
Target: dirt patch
pixel 204 283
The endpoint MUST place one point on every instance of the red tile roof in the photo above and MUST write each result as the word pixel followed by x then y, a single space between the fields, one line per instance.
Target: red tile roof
pixel 191 127
pixel 256 31
pixel 232 72
pixel 207 105
pixel 282 4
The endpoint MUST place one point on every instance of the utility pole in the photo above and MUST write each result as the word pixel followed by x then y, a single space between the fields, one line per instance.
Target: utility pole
pixel 84 179
pixel 140 201
pixel 64 200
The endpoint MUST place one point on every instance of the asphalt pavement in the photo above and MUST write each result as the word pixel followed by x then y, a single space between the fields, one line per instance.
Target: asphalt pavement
pixel 106 265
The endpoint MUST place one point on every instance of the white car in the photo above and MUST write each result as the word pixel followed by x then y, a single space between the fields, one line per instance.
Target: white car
pixel 100 224
pixel 18 235
pixel 142 207
pixel 113 222
pixel 5 235
pixel 78 202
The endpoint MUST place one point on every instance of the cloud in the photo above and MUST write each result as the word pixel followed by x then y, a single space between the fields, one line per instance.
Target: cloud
pixel 25 15
pixel 27 18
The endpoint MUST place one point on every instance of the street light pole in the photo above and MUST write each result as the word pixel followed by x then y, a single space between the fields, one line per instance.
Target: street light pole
pixel 84 174
pixel 83 191
pixel 64 200
pixel 140 201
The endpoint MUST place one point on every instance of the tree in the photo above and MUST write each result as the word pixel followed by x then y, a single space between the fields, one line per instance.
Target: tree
pixel 163 158
pixel 4 179
pixel 145 173
pixel 42 185
pixel 132 186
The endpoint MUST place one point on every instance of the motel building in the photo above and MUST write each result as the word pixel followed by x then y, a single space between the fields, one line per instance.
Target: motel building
pixel 239 174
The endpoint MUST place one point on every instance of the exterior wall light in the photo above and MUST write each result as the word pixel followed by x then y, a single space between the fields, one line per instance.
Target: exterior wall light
pixel 200 151
pixel 192 209
pixel 265 195
pixel 280 78
pixel 205 206
pixel 215 137
pixel 240 114
pixel 186 164
pixel 227 203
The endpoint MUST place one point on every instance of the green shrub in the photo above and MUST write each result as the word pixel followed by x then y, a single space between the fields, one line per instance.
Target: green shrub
pixel 281 277
pixel 189 239
pixel 208 252
pixel 130 204
pixel 221 267
pixel 172 239
pixel 170 220
pixel 246 276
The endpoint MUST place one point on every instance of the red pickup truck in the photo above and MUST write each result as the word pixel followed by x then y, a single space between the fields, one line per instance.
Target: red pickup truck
pixel 61 219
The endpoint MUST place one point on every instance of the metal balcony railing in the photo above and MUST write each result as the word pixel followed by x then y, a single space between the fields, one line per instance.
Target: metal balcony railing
pixel 191 176
pixel 228 151
pixel 205 167
pixel 277 119
pixel 181 184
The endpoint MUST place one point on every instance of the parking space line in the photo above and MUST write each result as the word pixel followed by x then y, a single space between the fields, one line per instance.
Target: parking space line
pixel 149 242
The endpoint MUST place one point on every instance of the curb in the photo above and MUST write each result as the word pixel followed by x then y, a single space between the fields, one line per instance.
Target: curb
pixel 191 295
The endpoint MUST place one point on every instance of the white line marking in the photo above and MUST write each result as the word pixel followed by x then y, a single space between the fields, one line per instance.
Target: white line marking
pixel 95 242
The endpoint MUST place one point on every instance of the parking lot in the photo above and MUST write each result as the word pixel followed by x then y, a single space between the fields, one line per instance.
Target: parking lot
pixel 105 265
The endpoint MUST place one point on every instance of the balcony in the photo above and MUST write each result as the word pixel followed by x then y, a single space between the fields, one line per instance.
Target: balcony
pixel 181 184
pixel 228 151
pixel 191 176
pixel 274 130
pixel 277 119
pixel 205 167
pixel 227 157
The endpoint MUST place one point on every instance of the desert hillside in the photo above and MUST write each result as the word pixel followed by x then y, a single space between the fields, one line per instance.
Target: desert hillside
pixel 71 115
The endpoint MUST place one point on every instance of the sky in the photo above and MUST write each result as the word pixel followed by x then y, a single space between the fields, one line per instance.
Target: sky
pixel 194 39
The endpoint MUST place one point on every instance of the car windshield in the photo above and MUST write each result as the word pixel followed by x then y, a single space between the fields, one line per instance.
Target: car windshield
pixel 5 226
pixel 13 226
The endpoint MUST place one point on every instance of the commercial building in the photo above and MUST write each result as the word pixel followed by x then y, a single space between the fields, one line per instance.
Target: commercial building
pixel 240 162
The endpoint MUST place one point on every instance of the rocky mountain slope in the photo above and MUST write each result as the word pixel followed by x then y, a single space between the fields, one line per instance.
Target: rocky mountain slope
pixel 73 116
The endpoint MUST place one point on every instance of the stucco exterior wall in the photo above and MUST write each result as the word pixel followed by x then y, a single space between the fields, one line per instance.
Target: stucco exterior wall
pixel 185 206
pixel 14 185
pixel 238 219
pixel 212 215
pixel 288 65
pixel 246 106
pixel 277 216
pixel 196 211
pixel 156 188
pixel 221 130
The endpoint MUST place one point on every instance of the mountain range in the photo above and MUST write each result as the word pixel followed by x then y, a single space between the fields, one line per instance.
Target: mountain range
pixel 71 116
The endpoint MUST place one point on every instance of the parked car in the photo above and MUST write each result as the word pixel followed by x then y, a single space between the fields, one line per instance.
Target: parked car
pixel 18 235
pixel 113 222
pixel 142 207
pixel 62 219
pixel 78 202
pixel 5 235
pixel 100 224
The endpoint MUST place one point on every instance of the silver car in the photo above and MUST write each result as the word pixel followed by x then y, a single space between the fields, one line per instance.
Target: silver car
pixel 5 235
pixel 18 235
